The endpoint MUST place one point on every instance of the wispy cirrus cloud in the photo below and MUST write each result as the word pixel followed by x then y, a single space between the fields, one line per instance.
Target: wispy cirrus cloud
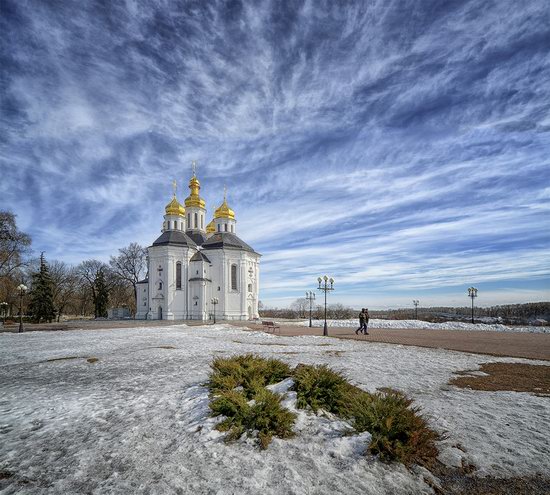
pixel 401 147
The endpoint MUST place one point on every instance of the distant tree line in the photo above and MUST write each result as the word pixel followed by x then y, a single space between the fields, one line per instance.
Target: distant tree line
pixel 300 309
pixel 56 288
pixel 509 313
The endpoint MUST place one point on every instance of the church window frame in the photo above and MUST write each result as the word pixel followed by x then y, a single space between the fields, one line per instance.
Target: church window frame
pixel 225 227
pixel 196 220
pixel 234 278
pixel 178 275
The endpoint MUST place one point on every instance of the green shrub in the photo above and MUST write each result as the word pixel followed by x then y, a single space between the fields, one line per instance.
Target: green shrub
pixel 248 371
pixel 398 430
pixel 265 416
pixel 271 419
pixel 320 388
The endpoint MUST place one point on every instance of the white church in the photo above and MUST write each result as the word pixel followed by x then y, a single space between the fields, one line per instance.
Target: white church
pixel 199 271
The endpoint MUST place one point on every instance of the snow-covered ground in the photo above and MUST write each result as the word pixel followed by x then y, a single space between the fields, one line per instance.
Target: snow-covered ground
pixel 447 325
pixel 136 421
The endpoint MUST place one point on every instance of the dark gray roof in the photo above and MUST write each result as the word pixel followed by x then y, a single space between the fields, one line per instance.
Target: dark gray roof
pixel 174 237
pixel 198 237
pixel 226 240
pixel 199 256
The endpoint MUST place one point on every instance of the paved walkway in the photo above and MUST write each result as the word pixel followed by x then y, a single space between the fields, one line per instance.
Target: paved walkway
pixel 520 345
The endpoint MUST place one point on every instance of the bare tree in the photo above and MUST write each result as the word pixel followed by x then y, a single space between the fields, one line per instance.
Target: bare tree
pixel 14 245
pixel 65 285
pixel 88 272
pixel 300 306
pixel 130 265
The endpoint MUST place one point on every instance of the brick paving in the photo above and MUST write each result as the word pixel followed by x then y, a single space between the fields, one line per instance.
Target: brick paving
pixel 511 344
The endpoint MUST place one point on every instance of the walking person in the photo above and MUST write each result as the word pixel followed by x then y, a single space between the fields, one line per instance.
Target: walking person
pixel 366 321
pixel 361 321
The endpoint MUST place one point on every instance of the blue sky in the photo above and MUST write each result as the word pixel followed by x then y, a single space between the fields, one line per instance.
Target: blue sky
pixel 401 147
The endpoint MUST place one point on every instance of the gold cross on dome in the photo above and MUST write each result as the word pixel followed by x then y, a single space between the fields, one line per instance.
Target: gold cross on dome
pixel 174 186
pixel 194 166
pixel 224 192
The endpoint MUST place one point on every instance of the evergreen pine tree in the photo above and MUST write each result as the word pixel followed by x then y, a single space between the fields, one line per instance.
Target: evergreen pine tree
pixel 101 295
pixel 41 307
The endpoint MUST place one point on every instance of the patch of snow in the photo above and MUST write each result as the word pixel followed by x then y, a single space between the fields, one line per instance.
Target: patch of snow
pixel 425 325
pixel 137 420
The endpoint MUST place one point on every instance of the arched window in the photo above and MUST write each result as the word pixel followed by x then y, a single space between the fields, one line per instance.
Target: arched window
pixel 219 228
pixel 196 220
pixel 249 287
pixel 160 285
pixel 234 277
pixel 189 220
pixel 178 275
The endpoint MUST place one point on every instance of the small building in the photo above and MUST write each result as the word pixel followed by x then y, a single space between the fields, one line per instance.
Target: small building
pixel 118 313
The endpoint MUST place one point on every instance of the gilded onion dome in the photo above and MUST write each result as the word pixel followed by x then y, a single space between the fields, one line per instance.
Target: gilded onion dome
pixel 175 208
pixel 224 211
pixel 194 199
pixel 211 228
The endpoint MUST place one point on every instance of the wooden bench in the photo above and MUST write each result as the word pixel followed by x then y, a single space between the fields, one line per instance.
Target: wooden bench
pixel 271 326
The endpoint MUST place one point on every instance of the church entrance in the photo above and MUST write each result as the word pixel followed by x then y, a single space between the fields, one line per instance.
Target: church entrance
pixel 160 313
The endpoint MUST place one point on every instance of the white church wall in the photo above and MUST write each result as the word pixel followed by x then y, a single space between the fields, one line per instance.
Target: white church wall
pixel 142 302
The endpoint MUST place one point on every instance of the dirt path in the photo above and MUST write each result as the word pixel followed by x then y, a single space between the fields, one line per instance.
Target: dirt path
pixel 520 345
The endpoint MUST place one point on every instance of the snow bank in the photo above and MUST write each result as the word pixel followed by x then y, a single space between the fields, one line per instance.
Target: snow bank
pixel 137 420
pixel 448 325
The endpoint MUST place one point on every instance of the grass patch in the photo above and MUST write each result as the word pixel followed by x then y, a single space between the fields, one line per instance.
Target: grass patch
pixel 399 432
pixel 237 385
pixel 63 359
pixel 518 377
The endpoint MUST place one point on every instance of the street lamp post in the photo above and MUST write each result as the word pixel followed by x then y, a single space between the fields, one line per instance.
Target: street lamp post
pixel 472 292
pixel 325 287
pixel 416 302
pixel 21 288
pixel 214 301
pixel 310 296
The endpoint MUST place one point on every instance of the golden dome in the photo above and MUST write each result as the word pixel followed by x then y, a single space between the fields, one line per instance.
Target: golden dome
pixel 194 199
pixel 211 228
pixel 175 208
pixel 224 211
